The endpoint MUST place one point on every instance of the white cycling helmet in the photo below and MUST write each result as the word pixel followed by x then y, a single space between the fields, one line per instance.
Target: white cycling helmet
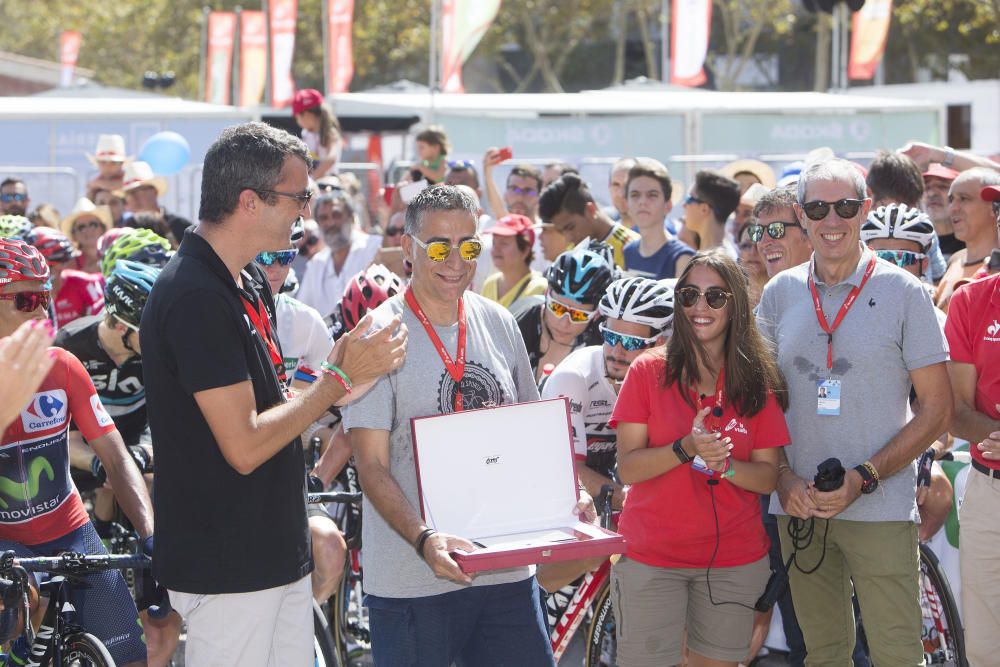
pixel 899 221
pixel 641 301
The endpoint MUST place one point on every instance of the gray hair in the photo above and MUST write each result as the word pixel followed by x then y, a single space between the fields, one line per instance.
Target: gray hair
pixel 984 175
pixel 245 157
pixel 774 200
pixel 438 198
pixel 834 169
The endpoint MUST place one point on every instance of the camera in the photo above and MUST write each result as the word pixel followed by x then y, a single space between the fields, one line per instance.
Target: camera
pixel 829 475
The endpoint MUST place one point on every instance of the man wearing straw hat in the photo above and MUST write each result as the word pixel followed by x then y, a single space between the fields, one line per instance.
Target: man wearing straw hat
pixel 142 194
pixel 109 158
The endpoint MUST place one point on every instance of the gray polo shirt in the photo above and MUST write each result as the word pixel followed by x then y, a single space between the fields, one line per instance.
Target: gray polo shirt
pixel 890 330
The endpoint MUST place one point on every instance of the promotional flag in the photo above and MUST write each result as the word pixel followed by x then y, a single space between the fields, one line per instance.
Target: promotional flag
pixel 282 18
pixel 340 17
pixel 463 24
pixel 69 51
pixel 219 66
pixel 253 57
pixel 375 157
pixel 691 24
pixel 869 32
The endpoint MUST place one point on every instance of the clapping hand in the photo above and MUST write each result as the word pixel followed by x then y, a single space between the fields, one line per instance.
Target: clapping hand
pixel 710 446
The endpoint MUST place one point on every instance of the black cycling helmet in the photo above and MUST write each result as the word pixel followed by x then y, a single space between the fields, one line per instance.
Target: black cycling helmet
pixel 581 275
pixel 127 290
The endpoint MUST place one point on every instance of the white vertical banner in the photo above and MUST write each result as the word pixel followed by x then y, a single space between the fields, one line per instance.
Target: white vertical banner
pixel 690 27
pixel 283 14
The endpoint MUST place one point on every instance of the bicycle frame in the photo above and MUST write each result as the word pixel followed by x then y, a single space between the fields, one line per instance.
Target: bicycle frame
pixel 576 610
pixel 46 647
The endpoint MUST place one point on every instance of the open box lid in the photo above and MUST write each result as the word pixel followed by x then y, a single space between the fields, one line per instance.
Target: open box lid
pixel 497 471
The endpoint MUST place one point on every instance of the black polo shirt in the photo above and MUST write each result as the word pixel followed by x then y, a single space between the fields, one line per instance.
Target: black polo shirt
pixel 217 531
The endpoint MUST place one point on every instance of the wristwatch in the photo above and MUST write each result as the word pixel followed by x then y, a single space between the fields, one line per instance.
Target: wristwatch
pixel 869 479
pixel 679 451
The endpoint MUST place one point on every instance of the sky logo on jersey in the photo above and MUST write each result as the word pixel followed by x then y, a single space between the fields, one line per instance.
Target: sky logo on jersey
pixel 100 414
pixel 46 410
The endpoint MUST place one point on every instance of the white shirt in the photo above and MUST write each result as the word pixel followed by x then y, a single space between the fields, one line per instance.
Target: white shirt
pixel 322 287
pixel 305 339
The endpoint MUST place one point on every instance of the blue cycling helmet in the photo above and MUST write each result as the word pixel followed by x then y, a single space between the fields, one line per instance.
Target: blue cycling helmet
pixel 581 275
pixel 127 290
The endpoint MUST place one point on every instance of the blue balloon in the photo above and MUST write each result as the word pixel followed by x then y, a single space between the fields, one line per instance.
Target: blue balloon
pixel 166 153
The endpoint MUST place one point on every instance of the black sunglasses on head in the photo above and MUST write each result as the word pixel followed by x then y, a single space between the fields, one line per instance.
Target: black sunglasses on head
pixel 845 208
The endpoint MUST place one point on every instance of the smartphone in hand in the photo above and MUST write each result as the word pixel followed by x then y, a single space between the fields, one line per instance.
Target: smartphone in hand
pixel 505 153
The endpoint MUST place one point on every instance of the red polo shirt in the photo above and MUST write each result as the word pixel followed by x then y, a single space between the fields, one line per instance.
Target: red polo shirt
pixel 973 333
pixel 668 520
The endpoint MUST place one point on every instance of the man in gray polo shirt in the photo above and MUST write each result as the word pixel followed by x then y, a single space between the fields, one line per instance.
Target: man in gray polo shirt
pixel 849 378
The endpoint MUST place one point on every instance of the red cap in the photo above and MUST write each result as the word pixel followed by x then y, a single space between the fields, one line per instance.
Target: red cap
pixel 990 193
pixel 514 224
pixel 937 170
pixel 307 98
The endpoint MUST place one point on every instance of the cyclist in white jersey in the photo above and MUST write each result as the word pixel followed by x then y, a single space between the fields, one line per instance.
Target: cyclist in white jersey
pixel 638 314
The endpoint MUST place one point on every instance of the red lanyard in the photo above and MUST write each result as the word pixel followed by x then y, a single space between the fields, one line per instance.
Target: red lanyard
pixel 262 323
pixel 456 369
pixel 720 399
pixel 844 307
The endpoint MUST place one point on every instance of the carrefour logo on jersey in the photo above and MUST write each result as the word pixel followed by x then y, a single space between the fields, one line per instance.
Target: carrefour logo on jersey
pixel 46 410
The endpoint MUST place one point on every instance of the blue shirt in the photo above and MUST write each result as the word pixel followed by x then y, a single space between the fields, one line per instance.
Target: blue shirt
pixel 661 264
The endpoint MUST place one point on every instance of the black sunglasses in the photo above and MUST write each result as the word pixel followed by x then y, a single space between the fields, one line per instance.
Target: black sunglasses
pixel 302 198
pixel 715 297
pixel 845 208
pixel 776 230
pixel 393 231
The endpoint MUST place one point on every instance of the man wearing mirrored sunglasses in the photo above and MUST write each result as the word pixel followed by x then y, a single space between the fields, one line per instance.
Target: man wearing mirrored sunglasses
pixel 781 241
pixel 465 353
pixel 14 198
pixel 853 335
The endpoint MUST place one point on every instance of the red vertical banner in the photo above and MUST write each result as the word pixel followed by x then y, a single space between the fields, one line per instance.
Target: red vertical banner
pixel 375 157
pixel 340 20
pixel 219 69
pixel 253 58
pixel 282 19
pixel 69 51
pixel 690 28
pixel 869 32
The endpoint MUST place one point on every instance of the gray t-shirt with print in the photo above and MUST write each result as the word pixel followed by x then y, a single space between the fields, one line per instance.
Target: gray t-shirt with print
pixel 890 330
pixel 497 372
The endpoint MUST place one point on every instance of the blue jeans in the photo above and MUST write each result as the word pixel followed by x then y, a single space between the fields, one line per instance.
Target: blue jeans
pixel 477 626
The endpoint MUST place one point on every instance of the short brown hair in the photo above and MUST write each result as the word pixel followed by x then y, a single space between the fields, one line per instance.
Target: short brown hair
pixel 645 166
pixel 435 136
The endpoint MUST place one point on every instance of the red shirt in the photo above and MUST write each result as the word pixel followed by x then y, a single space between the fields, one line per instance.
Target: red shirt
pixel 80 294
pixel 38 502
pixel 973 333
pixel 668 520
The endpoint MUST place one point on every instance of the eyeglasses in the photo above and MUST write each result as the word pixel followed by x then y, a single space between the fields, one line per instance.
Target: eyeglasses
pixel 715 297
pixel 901 258
pixel 461 164
pixel 393 231
pixel 691 199
pixel 28 302
pixel 527 192
pixel 845 208
pixel 282 257
pixel 776 230
pixel 628 343
pixel 93 224
pixel 302 198
pixel 16 196
pixel 575 314
pixel 439 251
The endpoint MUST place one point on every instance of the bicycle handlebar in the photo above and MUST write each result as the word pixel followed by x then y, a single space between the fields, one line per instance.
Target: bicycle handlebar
pixel 334 497
pixel 76 563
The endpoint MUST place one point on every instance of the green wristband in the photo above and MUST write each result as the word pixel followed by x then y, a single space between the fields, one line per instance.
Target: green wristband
pixel 326 366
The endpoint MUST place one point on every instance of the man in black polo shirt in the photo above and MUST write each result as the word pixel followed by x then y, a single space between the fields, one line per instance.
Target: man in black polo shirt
pixel 233 545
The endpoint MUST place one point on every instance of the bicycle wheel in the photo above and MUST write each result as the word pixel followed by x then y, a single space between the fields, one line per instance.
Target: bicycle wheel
pixel 942 634
pixel 602 644
pixel 349 618
pixel 82 649
pixel 324 647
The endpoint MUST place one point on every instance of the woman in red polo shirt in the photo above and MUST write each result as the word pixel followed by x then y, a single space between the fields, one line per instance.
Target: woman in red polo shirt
pixel 698 426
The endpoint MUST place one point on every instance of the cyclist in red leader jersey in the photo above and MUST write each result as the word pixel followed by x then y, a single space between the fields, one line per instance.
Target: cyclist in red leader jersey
pixel 77 294
pixel 41 513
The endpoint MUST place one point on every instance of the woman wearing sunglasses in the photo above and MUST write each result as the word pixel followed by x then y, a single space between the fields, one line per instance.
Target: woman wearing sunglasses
pixel 84 226
pixel 699 423
pixel 567 318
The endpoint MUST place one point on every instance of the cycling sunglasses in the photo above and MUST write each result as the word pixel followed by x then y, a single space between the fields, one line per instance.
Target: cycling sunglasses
pixel 282 257
pixel 628 343
pixel 776 230
pixel 715 297
pixel 575 314
pixel 439 251
pixel 16 196
pixel 845 208
pixel 901 258
pixel 461 164
pixel 28 302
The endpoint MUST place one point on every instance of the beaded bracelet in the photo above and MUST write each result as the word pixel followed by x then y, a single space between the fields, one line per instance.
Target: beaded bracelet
pixel 339 375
